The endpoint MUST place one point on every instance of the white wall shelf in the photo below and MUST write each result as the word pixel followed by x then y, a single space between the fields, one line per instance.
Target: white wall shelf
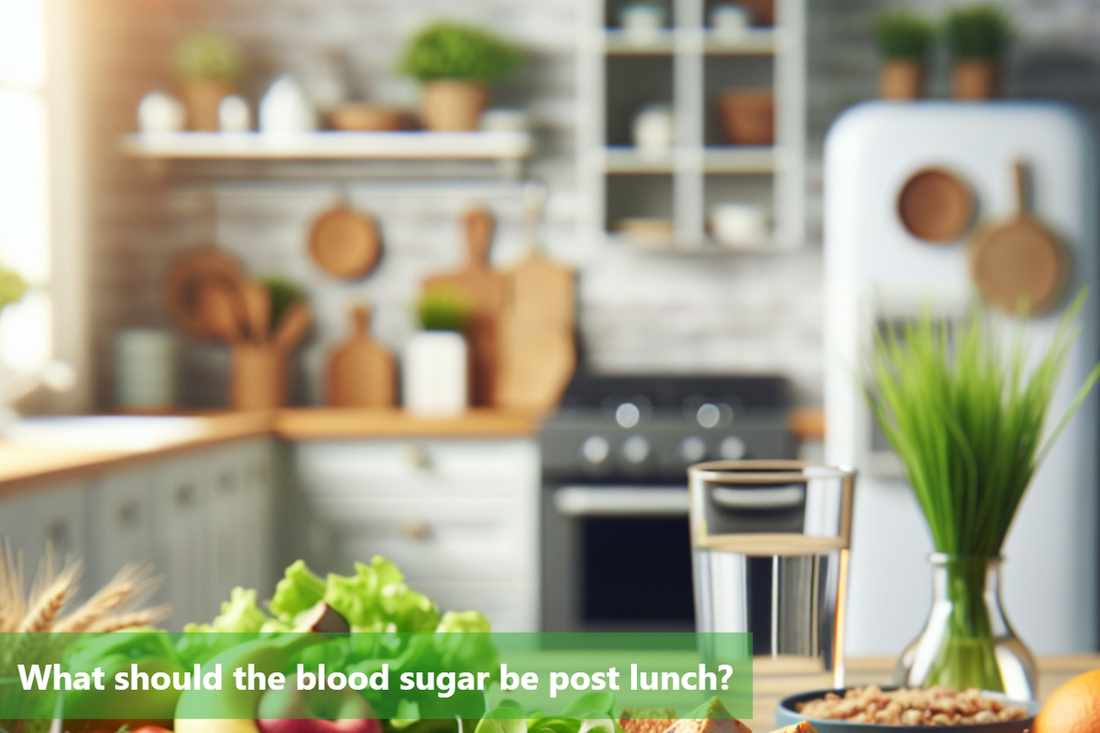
pixel 687 66
pixel 506 152
pixel 331 146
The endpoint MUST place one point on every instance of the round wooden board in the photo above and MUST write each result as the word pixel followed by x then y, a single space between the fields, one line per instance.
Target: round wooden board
pixel 345 243
pixel 1019 264
pixel 189 274
pixel 935 205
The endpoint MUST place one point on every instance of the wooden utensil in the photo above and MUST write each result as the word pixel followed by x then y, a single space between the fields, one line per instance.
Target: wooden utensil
pixel 186 278
pixel 1020 263
pixel 345 243
pixel 935 205
pixel 486 291
pixel 257 377
pixel 220 313
pixel 257 302
pixel 361 373
pixel 537 345
pixel 293 327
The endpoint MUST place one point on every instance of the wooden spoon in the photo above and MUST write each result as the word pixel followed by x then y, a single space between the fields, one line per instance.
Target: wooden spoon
pixel 219 314
pixel 292 328
pixel 257 303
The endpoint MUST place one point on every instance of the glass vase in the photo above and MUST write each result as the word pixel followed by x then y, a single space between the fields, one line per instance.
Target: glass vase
pixel 967 640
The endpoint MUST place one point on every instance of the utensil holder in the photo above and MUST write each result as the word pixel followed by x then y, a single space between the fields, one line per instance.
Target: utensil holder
pixel 257 377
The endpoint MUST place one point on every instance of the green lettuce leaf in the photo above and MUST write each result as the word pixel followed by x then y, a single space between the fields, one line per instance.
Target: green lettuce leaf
pixel 298 590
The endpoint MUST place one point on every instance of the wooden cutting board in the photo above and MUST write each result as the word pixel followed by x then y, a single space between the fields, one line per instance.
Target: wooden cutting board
pixel 1020 263
pixel 486 291
pixel 537 344
pixel 361 373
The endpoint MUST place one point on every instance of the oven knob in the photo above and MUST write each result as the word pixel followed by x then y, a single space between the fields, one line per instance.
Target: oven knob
pixel 708 415
pixel 596 449
pixel 732 448
pixel 693 449
pixel 627 415
pixel 636 449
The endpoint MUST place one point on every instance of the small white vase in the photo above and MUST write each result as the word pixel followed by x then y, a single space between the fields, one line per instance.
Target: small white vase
pixel 435 374
pixel 285 110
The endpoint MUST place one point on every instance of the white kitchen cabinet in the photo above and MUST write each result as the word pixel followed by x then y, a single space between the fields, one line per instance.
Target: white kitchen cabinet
pixel 120 520
pixel 459 517
pixel 239 520
pixel 180 498
pixel 38 517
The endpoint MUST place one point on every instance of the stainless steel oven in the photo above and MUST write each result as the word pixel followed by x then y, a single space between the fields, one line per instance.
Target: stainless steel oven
pixel 616 554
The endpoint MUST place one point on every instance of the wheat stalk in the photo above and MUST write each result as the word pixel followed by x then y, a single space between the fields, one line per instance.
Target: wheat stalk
pixel 145 617
pixel 46 604
pixel 13 604
pixel 130 587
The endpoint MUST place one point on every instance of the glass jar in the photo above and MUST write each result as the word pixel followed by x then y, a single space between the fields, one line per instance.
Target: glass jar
pixel 967 640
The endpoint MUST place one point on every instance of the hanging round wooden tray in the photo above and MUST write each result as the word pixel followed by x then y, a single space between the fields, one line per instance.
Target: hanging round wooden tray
pixel 345 243
pixel 935 205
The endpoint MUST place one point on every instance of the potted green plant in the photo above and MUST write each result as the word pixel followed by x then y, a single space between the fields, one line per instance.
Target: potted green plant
pixel 966 416
pixel 436 374
pixel 208 67
pixel 456 64
pixel 977 37
pixel 903 40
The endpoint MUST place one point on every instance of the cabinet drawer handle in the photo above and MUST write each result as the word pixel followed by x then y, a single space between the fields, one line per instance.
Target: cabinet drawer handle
pixel 416 529
pixel 418 457
pixel 128 513
pixel 58 533
pixel 185 495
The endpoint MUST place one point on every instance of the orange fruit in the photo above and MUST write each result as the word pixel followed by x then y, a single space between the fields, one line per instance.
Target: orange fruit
pixel 1073 708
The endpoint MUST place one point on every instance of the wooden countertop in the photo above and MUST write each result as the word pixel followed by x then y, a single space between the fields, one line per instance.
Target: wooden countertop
pixel 311 423
pixel 41 457
pixel 774 680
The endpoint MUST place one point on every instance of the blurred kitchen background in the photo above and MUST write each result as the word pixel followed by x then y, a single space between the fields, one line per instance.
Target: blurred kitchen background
pixel 698 307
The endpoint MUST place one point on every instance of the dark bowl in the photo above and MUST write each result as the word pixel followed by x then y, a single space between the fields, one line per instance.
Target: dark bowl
pixel 786 713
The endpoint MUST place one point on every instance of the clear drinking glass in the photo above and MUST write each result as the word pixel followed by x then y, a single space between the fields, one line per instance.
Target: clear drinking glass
pixel 770 546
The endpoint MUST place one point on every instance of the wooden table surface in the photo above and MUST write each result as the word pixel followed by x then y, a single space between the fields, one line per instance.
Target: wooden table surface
pixel 775 679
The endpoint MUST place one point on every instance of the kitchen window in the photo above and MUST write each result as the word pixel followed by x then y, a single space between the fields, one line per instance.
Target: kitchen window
pixel 38 181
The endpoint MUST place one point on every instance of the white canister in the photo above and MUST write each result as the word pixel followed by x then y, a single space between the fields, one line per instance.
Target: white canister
pixel 286 110
pixel 654 129
pixel 160 112
pixel 435 374
pixel 145 370
pixel 642 22
pixel 234 115
pixel 739 225
pixel 729 21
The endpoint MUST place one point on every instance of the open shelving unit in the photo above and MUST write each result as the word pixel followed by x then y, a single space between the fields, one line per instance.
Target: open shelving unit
pixel 688 66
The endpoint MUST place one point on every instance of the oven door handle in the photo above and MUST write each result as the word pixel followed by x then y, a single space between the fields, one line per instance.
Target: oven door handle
pixel 621 501
pixel 786 497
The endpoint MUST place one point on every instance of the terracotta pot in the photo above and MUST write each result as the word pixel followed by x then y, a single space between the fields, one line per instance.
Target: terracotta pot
pixel 975 79
pixel 367 118
pixel 453 106
pixel 763 11
pixel 202 97
pixel 901 79
pixel 748 117
pixel 257 377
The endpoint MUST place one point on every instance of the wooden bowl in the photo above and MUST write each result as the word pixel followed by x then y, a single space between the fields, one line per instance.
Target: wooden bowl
pixel 935 205
pixel 355 117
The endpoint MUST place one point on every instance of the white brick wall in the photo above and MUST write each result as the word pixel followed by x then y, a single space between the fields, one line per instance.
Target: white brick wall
pixel 638 311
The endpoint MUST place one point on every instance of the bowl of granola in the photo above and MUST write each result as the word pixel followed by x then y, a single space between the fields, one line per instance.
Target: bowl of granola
pixel 866 709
